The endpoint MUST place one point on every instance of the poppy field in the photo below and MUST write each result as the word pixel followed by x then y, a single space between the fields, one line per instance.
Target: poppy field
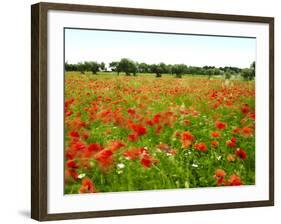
pixel 132 133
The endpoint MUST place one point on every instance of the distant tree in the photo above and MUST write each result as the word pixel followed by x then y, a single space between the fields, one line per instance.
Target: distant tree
pixel 159 69
pixel 113 65
pixel 228 73
pixel 164 68
pixel 143 68
pixel 70 67
pixel 81 67
pixel 128 66
pixel 67 66
pixel 249 73
pixel 232 70
pixel 253 67
pixel 87 66
pixel 94 67
pixel 156 69
pixel 102 66
pixel 179 70
pixel 210 72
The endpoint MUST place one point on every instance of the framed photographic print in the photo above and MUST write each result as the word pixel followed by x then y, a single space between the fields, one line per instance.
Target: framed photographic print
pixel 141 111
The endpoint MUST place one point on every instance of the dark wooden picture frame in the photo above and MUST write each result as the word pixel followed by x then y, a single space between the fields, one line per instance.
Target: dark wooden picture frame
pixel 39 149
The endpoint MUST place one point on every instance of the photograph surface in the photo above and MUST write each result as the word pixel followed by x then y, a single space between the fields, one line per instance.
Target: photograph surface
pixel 155 111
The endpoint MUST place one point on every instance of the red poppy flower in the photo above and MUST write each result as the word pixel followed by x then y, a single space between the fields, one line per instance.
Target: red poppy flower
pixel 71 175
pixel 139 129
pixel 133 153
pixel 236 130
pixel 219 173
pixel 78 146
pixel 201 146
pixel 131 111
pixel 115 145
pixel 214 143
pixel 147 161
pixel 219 176
pixel 133 137
pixel 215 134
pixel 220 125
pixel 252 115
pixel 72 164
pixel 241 153
pixel 186 139
pixel 177 134
pixel 231 143
pixel 234 180
pixel 69 155
pixel 158 129
pixel 104 158
pixel 87 186
pixel 156 118
pixel 94 147
pixel 247 131
pixel 86 135
pixel 245 109
pixel 187 136
pixel 68 113
pixel 74 134
pixel 186 122
pixel 149 122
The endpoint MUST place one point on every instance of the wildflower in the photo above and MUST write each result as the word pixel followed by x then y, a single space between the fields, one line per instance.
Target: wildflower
pixel 87 186
pixel 156 118
pixel 241 153
pixel 104 158
pixel 187 139
pixel 133 137
pixel 231 143
pixel 230 158
pixel 214 144
pixel 74 134
pixel 201 146
pixel 220 125
pixel 147 161
pixel 215 134
pixel 236 130
pixel 245 109
pixel 72 164
pixel 131 111
pixel 247 131
pixel 133 153
pixel 219 176
pixel 234 180
pixel 78 146
pixel 71 175
pixel 94 147
pixel 115 145
pixel 120 165
pixel 85 135
pixel 139 129
pixel 82 175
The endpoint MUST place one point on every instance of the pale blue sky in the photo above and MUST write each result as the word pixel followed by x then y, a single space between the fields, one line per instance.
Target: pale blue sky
pixel 96 45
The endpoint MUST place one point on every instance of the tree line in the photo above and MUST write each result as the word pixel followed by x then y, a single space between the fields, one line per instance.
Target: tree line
pixel 130 67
